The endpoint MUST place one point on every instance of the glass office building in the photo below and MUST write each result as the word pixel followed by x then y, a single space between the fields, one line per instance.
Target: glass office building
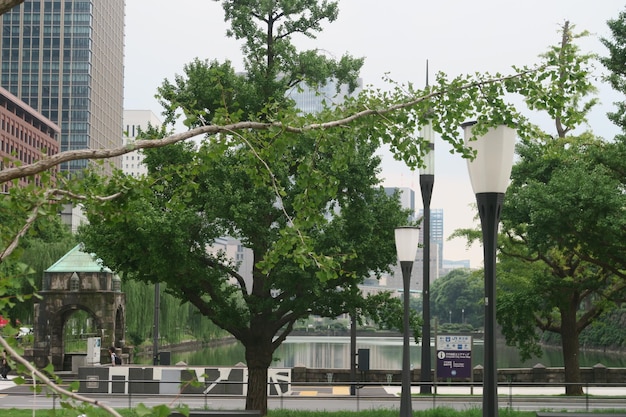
pixel 436 232
pixel 65 59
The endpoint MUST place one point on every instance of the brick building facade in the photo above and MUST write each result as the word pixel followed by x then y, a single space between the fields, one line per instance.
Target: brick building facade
pixel 25 135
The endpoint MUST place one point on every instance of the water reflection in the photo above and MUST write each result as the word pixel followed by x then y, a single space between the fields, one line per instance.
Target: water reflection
pixel 385 353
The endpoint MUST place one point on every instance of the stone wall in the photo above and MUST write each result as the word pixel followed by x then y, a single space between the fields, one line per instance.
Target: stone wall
pixel 233 380
pixel 176 379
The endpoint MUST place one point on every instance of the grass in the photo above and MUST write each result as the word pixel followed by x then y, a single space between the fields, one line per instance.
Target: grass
pixel 434 412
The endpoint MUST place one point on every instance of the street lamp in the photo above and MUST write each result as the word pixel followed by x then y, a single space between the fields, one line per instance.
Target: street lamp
pixel 427 180
pixel 489 173
pixel 407 239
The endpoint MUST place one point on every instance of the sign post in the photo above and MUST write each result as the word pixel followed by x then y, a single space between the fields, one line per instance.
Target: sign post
pixel 454 356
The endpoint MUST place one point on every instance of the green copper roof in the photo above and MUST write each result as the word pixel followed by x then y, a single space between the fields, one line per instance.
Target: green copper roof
pixel 78 261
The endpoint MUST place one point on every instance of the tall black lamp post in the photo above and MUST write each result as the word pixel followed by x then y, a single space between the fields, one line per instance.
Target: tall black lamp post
pixel 427 180
pixel 407 239
pixel 489 173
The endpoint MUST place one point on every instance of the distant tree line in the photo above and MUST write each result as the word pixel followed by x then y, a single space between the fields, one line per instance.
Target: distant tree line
pixel 461 292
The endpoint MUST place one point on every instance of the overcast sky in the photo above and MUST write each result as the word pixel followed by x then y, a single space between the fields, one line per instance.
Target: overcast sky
pixel 396 37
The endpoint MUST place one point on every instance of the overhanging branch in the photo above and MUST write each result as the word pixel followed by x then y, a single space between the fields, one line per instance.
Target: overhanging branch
pixel 46 163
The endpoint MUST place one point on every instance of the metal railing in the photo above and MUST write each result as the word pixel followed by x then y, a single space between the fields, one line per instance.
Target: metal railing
pixel 523 396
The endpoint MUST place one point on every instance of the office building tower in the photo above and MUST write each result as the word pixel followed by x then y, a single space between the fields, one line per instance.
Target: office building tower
pixel 407 199
pixel 136 121
pixel 65 59
pixel 310 100
pixel 436 233
pixel 407 202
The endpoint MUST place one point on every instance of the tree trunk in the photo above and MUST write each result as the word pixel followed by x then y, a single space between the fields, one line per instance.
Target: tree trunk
pixel 569 342
pixel 258 358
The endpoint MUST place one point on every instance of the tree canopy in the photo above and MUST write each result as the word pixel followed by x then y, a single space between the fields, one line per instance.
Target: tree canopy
pixel 460 293
pixel 563 213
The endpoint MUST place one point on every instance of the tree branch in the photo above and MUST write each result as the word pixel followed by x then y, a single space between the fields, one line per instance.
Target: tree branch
pixel 46 163
pixel 211 262
pixel 6 5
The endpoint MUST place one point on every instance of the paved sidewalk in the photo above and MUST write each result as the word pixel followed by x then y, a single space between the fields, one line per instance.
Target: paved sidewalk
pixel 616 391
pixel 6 383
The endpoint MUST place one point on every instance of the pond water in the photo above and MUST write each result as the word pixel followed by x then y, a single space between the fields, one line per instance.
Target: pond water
pixel 385 353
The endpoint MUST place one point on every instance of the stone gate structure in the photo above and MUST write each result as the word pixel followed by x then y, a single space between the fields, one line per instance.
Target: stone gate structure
pixel 75 282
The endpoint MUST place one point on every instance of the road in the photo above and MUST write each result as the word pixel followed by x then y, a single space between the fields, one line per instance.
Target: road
pixel 337 398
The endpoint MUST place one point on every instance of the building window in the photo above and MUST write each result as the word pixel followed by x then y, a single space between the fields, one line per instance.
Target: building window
pixel 74 282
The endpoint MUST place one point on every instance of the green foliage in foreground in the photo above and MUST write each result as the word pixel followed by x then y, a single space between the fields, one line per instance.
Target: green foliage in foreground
pixel 434 412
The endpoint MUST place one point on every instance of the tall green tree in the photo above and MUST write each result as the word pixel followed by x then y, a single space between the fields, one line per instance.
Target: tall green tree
pixel 564 207
pixel 167 229
pixel 558 192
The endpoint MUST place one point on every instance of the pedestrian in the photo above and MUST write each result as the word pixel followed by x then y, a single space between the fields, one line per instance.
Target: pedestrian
pixel 5 368
pixel 113 355
pixel 115 360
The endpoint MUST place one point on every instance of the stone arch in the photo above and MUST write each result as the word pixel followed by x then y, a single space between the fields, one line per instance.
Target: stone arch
pixel 57 328
pixel 76 282
pixel 120 326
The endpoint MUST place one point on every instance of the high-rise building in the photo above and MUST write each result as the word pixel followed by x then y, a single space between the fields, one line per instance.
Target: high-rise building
pixel 310 100
pixel 65 59
pixel 436 232
pixel 136 121
pixel 407 199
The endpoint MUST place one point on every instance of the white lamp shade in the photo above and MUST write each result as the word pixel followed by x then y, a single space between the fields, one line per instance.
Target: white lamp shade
pixel 491 169
pixel 407 239
pixel 429 159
